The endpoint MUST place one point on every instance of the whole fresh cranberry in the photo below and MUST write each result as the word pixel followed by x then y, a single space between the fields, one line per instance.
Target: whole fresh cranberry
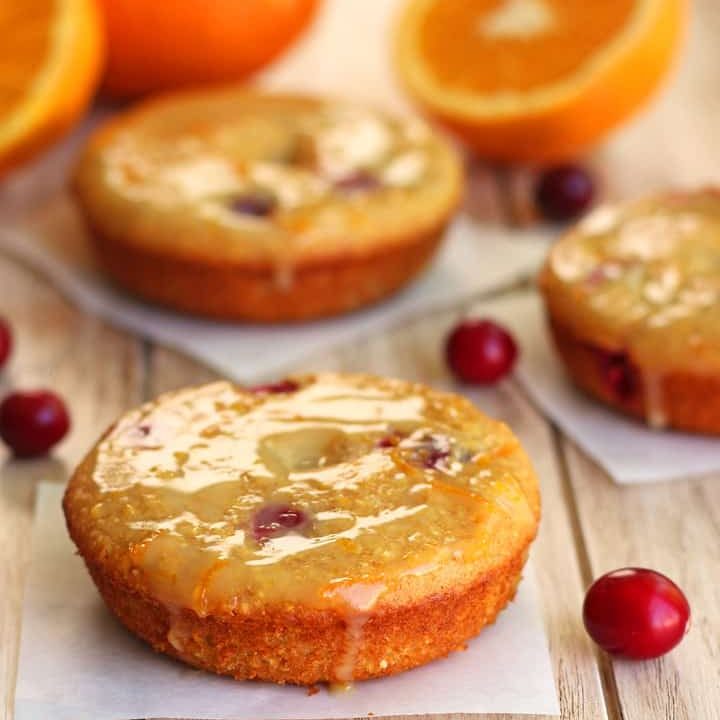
pixel 564 192
pixel 636 613
pixel 31 422
pixel 480 351
pixel 6 341
pixel 275 520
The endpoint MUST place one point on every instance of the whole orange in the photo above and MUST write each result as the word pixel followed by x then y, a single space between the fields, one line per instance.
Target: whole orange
pixel 158 45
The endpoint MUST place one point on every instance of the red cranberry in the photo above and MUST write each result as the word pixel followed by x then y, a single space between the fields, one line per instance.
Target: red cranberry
pixel 435 458
pixel 257 204
pixel 564 192
pixel 619 374
pixel 636 613
pixel 275 520
pixel 284 386
pixel 480 351
pixel 429 450
pixel 358 182
pixel 597 276
pixel 32 422
pixel 392 439
pixel 6 341
pixel 387 442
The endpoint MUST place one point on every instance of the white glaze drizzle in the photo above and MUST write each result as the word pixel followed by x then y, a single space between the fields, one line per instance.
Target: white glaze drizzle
pixel 405 169
pixel 655 414
pixel 358 600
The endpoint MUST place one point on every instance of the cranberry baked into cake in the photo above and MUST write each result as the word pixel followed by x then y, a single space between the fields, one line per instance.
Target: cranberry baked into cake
pixel 633 298
pixel 241 205
pixel 329 528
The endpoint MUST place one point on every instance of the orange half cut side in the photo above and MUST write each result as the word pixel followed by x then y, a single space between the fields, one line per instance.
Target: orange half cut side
pixel 535 80
pixel 49 68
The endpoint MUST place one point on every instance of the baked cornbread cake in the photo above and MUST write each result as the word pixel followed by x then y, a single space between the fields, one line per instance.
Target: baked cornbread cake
pixel 331 527
pixel 633 298
pixel 241 205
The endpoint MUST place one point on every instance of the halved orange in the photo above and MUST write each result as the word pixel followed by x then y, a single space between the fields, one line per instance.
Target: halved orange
pixel 535 80
pixel 49 68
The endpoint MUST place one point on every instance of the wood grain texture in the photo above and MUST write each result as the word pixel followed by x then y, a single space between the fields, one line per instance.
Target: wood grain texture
pixel 98 372
pixel 589 524
pixel 673 528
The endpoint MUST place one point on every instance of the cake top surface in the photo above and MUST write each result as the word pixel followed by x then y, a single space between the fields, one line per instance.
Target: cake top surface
pixel 325 489
pixel 266 175
pixel 645 276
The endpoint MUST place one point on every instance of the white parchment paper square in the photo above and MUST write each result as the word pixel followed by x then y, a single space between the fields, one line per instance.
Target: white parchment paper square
pixel 630 451
pixel 474 259
pixel 78 663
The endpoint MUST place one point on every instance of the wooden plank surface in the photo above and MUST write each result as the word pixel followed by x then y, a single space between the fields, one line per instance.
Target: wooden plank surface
pixel 99 372
pixel 673 528
pixel 589 526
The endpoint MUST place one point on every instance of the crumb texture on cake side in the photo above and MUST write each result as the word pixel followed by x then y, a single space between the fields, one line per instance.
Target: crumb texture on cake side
pixel 334 528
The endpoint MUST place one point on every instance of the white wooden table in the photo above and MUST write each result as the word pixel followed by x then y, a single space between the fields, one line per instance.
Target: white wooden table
pixel 589 525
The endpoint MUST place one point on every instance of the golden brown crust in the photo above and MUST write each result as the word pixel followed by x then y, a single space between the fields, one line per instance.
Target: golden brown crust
pixel 156 186
pixel 686 401
pixel 305 645
pixel 642 278
pixel 632 294
pixel 235 291
pixel 402 611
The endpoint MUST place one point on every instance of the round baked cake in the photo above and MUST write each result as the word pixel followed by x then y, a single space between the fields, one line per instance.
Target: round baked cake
pixel 331 527
pixel 241 205
pixel 633 298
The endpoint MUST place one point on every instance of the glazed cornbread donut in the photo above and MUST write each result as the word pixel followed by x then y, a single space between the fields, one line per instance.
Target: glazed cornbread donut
pixel 633 298
pixel 241 205
pixel 328 528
